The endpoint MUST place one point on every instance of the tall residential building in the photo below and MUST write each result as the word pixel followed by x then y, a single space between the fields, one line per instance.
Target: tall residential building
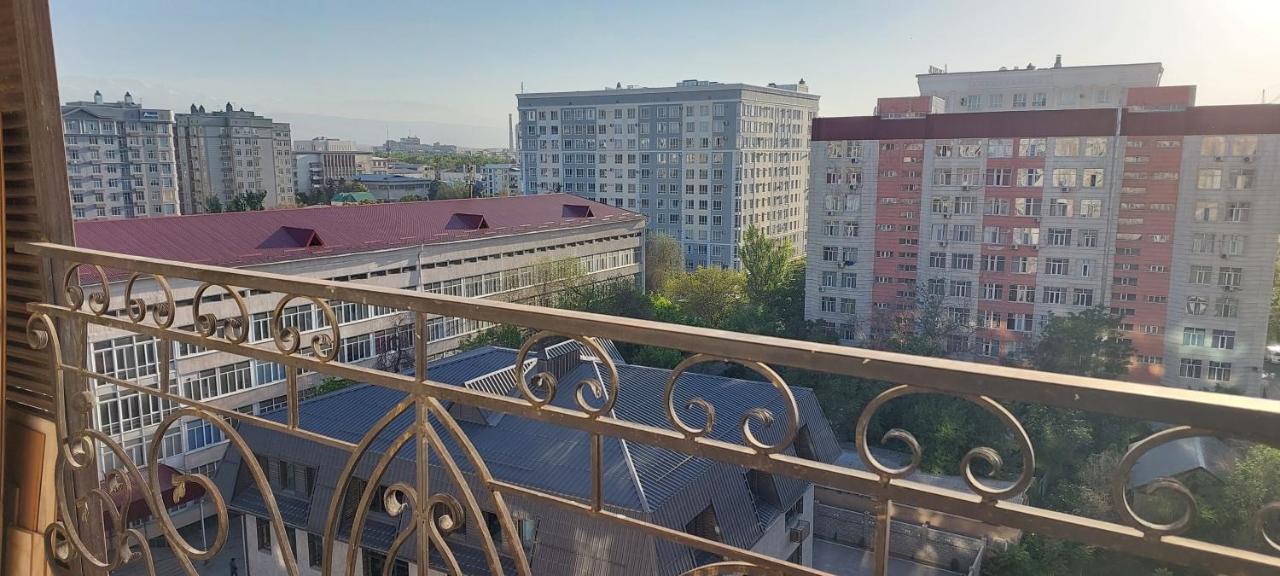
pixel 702 160
pixel 511 249
pixel 1052 88
pixel 120 159
pixel 1164 212
pixel 222 154
pixel 321 160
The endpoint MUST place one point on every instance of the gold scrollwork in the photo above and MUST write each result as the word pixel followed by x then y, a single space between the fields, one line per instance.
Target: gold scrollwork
pixel 763 416
pixel 324 345
pixel 730 568
pixel 983 453
pixel 1170 486
pixel 606 393
pixel 99 300
pixel 237 327
pixel 136 308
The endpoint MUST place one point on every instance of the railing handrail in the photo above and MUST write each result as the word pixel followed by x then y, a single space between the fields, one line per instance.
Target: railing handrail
pixel 1235 416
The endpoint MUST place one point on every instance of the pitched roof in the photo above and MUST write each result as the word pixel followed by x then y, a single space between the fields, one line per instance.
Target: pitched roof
pixel 237 238
pixel 668 487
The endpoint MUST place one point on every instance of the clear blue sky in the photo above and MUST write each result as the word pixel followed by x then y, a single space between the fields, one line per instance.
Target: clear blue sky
pixel 449 71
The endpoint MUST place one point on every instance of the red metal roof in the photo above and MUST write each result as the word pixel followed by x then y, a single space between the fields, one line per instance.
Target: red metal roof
pixel 247 238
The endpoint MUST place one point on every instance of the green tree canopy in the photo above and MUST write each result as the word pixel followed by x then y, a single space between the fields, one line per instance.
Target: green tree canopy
pixel 663 257
pixel 1082 343
pixel 706 296
pixel 768 265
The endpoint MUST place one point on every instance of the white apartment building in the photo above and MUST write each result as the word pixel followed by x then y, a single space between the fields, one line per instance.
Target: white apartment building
pixel 419 246
pixel 229 152
pixel 1055 87
pixel 120 159
pixel 702 160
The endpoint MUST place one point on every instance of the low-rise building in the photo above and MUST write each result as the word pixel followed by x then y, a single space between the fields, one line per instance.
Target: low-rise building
pixel 498 180
pixel 392 187
pixel 501 248
pixel 767 513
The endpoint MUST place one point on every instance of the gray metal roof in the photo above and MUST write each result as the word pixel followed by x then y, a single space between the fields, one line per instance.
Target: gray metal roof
pixel 1181 457
pixel 643 481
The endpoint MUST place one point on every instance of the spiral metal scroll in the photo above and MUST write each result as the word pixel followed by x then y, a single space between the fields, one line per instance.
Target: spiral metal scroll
pixel 237 327
pixel 1169 486
pixel 99 300
pixel 136 308
pixel 324 345
pixel 604 392
pixel 763 416
pixel 64 540
pixel 984 453
pixel 442 513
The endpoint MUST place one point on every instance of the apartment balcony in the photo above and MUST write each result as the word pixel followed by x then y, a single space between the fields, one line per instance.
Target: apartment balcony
pixel 430 510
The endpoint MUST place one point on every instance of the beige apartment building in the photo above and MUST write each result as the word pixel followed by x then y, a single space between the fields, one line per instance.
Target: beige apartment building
pixel 229 152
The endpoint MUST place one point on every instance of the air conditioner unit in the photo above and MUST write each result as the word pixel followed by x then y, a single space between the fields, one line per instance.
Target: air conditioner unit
pixel 1247 159
pixel 800 531
pixel 1066 188
pixel 1217 158
pixel 855 160
pixel 822 288
pixel 839 264
pixel 946 215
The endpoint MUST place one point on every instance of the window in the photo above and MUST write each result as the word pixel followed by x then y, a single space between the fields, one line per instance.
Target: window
pixel 1000 147
pixel 848 280
pixel 1229 277
pixel 1226 307
pixel 961 288
pixel 1095 146
pixel 1220 371
pixel 1206 211
pixel 1029 147
pixel 1019 100
pixel 992 291
pixel 1054 295
pixel 1193 336
pixel 962 261
pixel 1057 266
pixel 1018 322
pixel 937 259
pixel 1224 339
pixel 827 303
pixel 828 279
pixel 991 263
pixel 1030 177
pixel 1237 212
pixel 1082 297
pixel 1022 293
pixel 1189 368
pixel 1093 178
pixel 1028 206
pixel 1201 274
pixel 264 534
pixel 1209 179
pixel 1064 177
pixel 1059 236
pixel 1066 146
pixel 1039 99
pixel 1197 305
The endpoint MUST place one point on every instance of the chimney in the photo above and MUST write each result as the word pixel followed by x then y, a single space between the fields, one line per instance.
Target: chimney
pixel 511 135
pixel 97 97
pixel 1057 61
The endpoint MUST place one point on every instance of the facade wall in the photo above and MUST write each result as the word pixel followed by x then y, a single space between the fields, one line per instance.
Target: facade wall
pixel 221 154
pixel 501 267
pixel 1175 233
pixel 1040 88
pixel 702 162
pixel 120 160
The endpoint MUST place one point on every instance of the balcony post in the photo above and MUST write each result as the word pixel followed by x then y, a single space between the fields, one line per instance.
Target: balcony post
pixel 880 548
pixel 36 207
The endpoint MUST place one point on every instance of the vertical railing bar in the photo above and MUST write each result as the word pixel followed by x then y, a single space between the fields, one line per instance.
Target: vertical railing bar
pixel 597 472
pixel 291 379
pixel 884 519
pixel 422 511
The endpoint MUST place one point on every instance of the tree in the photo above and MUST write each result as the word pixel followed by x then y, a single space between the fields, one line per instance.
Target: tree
pixel 927 329
pixel 451 190
pixel 503 335
pixel 768 265
pixel 246 201
pixel 213 204
pixel 614 297
pixel 552 277
pixel 706 296
pixel 411 198
pixel 1273 324
pixel 1082 343
pixel 663 257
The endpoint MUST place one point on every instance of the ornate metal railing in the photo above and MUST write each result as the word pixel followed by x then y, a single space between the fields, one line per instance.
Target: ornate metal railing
pixel 435 515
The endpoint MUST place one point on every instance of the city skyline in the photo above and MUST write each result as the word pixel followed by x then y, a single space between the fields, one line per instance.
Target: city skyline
pixel 431 77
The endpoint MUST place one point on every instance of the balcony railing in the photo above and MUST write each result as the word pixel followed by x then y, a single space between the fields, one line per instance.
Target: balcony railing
pixel 433 516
